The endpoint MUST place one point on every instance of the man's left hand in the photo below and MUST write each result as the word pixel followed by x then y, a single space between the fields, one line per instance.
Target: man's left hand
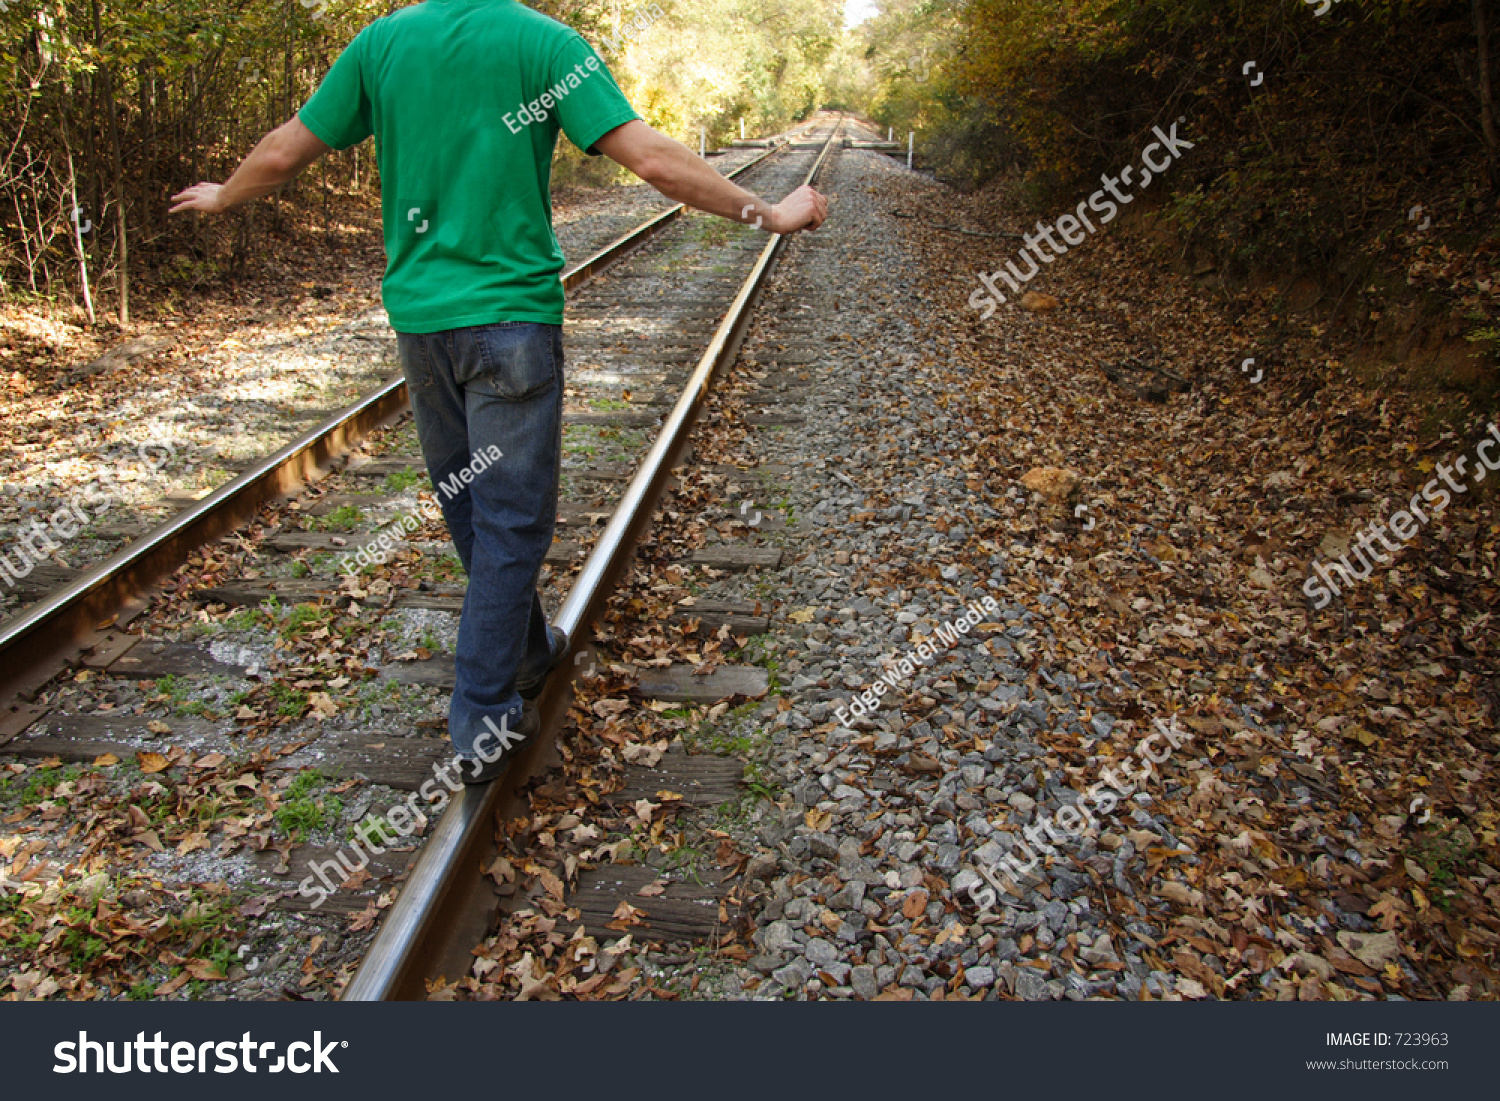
pixel 203 196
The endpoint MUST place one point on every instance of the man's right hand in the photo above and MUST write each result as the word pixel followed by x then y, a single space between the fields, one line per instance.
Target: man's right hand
pixel 804 208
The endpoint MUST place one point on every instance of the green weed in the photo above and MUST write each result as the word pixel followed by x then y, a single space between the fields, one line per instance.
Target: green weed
pixel 301 811
pixel 343 518
pixel 399 481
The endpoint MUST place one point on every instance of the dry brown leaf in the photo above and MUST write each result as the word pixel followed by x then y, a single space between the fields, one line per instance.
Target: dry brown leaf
pixel 914 905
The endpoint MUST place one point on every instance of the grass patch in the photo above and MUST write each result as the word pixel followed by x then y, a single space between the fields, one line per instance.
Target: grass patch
pixel 343 518
pixel 303 810
pixel 176 693
pixel 448 567
pixel 398 482
pixel 1444 856
pixel 290 702
pixel 758 650
pixel 304 618
pixel 726 736
pixel 373 829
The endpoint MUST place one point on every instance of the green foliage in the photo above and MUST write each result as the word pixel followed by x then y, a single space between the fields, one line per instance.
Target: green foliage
pixel 399 481
pixel 760 650
pixel 178 694
pixel 82 949
pixel 343 518
pixel 374 829
pixel 301 810
pixel 1360 114
pixel 304 618
pixel 189 89
pixel 1445 854
pixel 290 702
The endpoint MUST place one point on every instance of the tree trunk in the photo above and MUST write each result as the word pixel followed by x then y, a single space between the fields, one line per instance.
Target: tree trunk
pixel 118 160
pixel 121 233
pixel 83 262
pixel 146 176
pixel 92 171
pixel 1486 92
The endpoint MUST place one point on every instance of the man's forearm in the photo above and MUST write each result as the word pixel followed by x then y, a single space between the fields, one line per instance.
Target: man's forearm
pixel 674 170
pixel 265 170
pixel 679 173
pixel 275 162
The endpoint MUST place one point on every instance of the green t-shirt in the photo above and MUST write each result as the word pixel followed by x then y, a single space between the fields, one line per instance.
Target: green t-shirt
pixel 465 99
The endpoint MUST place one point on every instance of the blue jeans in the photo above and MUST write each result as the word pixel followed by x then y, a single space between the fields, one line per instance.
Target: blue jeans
pixel 474 390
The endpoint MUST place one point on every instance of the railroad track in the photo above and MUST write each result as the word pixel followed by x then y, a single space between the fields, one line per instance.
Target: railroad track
pixel 620 387
pixel 442 913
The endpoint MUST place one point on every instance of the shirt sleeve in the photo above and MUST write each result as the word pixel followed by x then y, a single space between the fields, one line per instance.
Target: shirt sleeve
pixel 339 112
pixel 589 102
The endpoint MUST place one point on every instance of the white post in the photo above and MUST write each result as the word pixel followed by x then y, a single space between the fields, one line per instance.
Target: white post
pixel 911 145
pixel 890 133
pixel 742 128
pixel 703 142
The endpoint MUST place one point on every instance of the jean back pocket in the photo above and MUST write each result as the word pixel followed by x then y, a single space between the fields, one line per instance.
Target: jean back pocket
pixel 514 360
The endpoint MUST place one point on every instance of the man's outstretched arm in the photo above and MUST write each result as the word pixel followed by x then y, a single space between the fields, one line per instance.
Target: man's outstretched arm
pixel 272 164
pixel 679 173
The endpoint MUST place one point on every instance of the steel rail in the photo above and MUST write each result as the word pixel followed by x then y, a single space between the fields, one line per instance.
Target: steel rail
pixel 432 918
pixel 46 637
pixel 646 230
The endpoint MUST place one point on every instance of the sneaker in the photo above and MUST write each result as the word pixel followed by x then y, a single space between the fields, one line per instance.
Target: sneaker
pixel 558 639
pixel 476 770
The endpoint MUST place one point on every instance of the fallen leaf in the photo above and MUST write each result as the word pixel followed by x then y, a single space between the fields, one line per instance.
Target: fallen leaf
pixel 1374 950
pixel 914 905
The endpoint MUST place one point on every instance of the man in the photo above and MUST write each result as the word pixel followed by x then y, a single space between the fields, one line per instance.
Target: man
pixel 465 99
